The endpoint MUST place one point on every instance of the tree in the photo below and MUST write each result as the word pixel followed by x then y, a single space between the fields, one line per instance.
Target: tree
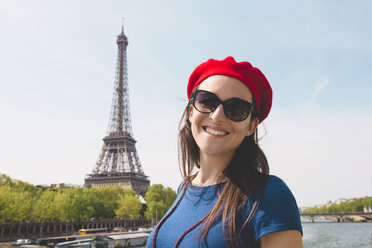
pixel 44 208
pixel 15 206
pixel 96 206
pixel 5 180
pixel 356 205
pixel 21 201
pixel 129 207
pixel 74 205
pixel 158 201
pixel 104 200
pixel 16 184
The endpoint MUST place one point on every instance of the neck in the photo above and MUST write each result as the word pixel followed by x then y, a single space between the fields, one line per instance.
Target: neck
pixel 211 168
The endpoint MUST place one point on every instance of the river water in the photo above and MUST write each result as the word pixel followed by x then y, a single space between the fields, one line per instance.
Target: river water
pixel 337 235
pixel 328 234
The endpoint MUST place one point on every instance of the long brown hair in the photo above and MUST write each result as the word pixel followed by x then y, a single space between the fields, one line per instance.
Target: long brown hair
pixel 246 175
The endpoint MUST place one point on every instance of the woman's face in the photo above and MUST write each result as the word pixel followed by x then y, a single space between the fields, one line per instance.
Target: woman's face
pixel 214 133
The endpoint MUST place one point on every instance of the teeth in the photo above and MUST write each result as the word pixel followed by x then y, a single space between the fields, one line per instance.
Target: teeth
pixel 214 132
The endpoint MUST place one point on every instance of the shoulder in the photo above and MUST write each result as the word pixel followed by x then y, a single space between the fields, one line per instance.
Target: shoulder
pixel 275 196
pixel 276 190
pixel 277 199
pixel 277 209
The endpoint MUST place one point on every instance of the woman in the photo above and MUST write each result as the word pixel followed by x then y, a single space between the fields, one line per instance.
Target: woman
pixel 231 200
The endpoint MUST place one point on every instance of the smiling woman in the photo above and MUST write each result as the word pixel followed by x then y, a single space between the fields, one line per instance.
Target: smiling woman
pixel 231 200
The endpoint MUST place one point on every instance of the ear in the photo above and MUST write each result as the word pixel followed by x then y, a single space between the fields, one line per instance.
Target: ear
pixel 252 126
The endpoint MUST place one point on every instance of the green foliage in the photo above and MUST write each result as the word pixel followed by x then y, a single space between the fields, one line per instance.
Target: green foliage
pixel 16 184
pixel 129 207
pixel 5 180
pixel 15 206
pixel 45 207
pixel 21 202
pixel 103 201
pixel 158 200
pixel 357 205
pixel 73 205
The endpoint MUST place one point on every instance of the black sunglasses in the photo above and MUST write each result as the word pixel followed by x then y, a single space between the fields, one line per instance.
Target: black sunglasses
pixel 235 109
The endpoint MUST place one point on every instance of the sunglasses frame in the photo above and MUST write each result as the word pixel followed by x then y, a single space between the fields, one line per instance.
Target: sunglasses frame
pixel 223 104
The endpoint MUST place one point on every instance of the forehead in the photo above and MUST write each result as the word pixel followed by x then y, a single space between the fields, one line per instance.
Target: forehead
pixel 226 87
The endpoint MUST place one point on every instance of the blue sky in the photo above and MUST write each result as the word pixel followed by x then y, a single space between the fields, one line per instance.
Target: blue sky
pixel 57 68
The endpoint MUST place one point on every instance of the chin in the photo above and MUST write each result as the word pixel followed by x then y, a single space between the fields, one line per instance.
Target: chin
pixel 215 151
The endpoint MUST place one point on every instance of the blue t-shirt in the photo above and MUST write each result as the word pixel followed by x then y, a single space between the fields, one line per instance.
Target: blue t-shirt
pixel 277 211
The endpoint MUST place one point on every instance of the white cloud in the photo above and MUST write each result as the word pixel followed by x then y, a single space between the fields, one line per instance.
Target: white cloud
pixel 318 89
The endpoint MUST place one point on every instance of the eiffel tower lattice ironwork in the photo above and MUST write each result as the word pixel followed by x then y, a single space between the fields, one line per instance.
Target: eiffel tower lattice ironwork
pixel 118 162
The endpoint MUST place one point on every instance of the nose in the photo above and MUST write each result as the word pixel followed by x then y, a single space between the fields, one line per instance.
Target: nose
pixel 218 114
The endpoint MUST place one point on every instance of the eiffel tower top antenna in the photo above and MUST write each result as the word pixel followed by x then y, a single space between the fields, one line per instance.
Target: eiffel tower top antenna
pixel 122 25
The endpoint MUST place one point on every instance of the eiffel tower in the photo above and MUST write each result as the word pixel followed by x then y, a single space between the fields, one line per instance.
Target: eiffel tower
pixel 118 162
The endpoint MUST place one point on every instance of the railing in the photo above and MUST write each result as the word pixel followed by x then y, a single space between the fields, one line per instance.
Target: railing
pixel 10 232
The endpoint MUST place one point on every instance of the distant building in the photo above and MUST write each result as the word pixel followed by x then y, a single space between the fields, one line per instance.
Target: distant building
pixel 57 186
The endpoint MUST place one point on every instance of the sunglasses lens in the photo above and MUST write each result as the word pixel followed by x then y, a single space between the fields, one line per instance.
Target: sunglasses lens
pixel 205 102
pixel 237 110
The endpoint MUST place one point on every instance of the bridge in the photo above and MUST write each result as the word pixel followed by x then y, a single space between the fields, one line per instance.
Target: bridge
pixel 340 217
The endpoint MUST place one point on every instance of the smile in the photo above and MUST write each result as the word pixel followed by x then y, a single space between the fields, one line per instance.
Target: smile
pixel 214 132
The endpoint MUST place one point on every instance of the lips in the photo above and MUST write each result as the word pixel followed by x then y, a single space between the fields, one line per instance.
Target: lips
pixel 214 132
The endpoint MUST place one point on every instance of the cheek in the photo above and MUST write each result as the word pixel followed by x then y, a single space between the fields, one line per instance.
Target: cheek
pixel 194 127
pixel 247 131
pixel 195 118
pixel 193 122
pixel 243 129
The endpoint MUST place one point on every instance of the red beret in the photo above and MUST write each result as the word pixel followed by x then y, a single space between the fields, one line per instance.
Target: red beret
pixel 251 76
